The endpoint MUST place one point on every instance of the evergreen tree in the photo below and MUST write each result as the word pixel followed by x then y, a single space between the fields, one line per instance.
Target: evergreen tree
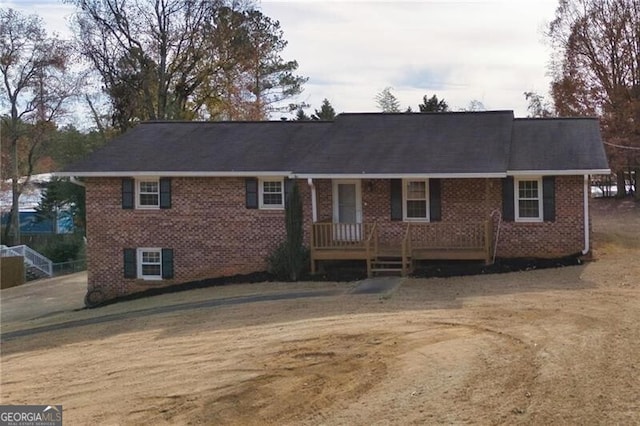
pixel 433 104
pixel 326 112
pixel 302 116
pixel 294 222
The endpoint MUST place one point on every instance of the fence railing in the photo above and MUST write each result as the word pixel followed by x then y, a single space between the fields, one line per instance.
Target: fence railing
pixel 64 268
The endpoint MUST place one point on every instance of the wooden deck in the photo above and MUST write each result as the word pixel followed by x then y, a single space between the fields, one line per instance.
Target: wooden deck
pixel 423 241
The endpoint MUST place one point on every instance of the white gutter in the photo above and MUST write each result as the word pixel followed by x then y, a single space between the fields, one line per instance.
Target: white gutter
pixel 314 208
pixel 573 172
pixel 399 175
pixel 178 174
pixel 586 215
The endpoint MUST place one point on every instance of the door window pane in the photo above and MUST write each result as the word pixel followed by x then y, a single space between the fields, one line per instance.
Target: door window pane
pixel 347 203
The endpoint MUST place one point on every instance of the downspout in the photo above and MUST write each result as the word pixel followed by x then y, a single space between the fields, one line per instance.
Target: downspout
pixel 75 181
pixel 314 209
pixel 586 215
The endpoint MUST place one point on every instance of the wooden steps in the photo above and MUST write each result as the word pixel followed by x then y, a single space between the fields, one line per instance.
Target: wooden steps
pixel 389 265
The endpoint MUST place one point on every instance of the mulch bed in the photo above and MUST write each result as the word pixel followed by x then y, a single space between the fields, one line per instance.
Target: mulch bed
pixel 348 271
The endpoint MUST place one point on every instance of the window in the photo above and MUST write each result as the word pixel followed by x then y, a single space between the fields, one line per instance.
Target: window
pixel 271 194
pixel 416 200
pixel 150 263
pixel 148 193
pixel 528 200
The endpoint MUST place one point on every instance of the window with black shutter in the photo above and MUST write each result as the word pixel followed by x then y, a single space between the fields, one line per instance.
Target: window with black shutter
pixel 165 193
pixel 549 198
pixel 435 203
pixel 396 199
pixel 251 193
pixel 128 193
pixel 508 212
pixel 130 263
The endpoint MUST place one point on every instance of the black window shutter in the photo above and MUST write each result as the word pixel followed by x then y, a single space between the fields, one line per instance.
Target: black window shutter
pixel 165 193
pixel 508 200
pixel 130 263
pixel 396 199
pixel 549 198
pixel 435 204
pixel 127 193
pixel 288 189
pixel 251 186
pixel 167 263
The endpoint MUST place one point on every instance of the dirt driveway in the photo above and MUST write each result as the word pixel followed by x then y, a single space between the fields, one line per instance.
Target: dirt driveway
pixel 553 346
pixel 42 298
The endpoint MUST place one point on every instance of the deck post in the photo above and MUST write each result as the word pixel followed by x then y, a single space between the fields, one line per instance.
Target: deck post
pixel 368 247
pixel 488 237
pixel 312 250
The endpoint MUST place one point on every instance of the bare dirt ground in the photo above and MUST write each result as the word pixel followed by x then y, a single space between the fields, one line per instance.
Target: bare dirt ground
pixel 556 346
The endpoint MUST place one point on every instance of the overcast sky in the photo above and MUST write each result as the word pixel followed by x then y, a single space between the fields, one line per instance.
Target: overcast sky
pixel 486 50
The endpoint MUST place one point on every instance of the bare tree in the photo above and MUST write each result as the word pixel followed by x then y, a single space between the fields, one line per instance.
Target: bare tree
pixel 33 68
pixel 184 59
pixel 596 71
pixel 538 106
pixel 149 54
pixel 387 101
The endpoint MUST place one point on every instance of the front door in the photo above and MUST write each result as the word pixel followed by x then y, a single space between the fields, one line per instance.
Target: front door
pixel 347 210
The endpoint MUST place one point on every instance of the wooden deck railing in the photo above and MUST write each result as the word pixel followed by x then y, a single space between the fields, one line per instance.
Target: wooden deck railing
pixel 446 235
pixel 459 240
pixel 371 246
pixel 427 241
pixel 336 241
pixel 340 235
pixel 406 250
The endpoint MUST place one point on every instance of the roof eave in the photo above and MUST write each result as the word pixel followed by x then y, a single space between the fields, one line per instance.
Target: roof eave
pixel 175 174
pixel 569 172
pixel 399 175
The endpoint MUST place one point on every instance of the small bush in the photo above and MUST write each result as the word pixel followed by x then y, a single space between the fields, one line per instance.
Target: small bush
pixel 64 250
pixel 279 263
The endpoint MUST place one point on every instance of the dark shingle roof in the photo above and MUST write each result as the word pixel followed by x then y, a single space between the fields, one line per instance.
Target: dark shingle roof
pixel 205 147
pixel 461 143
pixel 413 143
pixel 557 144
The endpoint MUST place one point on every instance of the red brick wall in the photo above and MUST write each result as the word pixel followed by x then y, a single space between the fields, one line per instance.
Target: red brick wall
pixel 209 228
pixel 474 200
pixel 213 234
pixel 564 236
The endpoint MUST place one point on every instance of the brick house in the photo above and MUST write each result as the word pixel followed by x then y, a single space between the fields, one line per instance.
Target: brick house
pixel 171 202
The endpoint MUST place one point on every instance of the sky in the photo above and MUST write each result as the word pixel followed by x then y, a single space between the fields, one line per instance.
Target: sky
pixel 490 51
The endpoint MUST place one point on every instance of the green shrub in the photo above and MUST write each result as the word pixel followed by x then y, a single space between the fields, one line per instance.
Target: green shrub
pixel 280 264
pixel 64 250
pixel 289 259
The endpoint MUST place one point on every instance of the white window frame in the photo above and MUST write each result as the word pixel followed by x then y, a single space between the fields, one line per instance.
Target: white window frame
pixel 139 192
pixel 139 263
pixel 405 199
pixel 261 192
pixel 516 199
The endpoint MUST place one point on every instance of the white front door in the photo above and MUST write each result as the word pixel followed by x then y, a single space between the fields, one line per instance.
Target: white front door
pixel 347 210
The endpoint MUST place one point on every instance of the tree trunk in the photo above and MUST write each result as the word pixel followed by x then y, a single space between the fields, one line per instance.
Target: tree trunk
pixel 620 182
pixel 14 224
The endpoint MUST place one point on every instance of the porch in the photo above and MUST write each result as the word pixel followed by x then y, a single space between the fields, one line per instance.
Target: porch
pixel 419 241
